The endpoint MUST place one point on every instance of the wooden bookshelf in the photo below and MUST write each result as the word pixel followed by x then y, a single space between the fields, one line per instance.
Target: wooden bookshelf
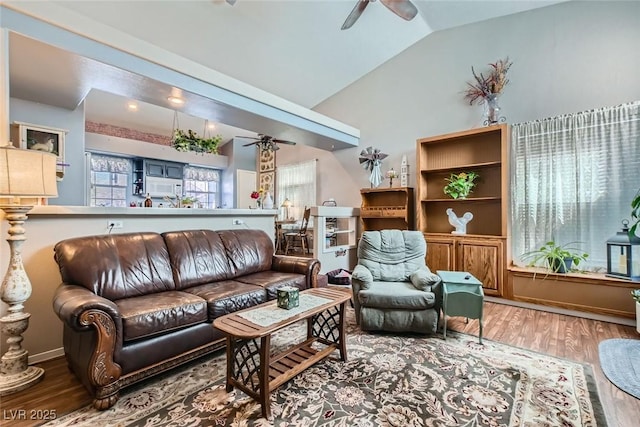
pixel 482 251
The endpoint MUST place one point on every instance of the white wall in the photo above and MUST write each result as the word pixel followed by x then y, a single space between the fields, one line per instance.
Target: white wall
pixel 567 58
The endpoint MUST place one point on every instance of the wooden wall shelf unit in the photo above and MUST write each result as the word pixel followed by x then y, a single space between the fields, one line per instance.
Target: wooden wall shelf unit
pixel 483 251
pixel 387 208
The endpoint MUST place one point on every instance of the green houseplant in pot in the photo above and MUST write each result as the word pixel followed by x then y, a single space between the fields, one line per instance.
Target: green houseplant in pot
pixel 557 258
pixel 188 202
pixel 460 185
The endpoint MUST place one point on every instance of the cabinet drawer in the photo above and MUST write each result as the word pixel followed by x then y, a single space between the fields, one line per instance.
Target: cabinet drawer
pixel 384 212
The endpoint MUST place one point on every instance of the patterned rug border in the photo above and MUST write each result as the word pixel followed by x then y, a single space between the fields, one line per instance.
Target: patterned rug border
pixel 459 337
pixel 592 383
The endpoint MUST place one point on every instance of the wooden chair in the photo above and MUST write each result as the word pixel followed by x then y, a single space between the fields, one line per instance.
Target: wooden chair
pixel 300 235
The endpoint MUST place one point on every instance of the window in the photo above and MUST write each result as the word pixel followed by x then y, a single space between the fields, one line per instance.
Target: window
pixel 297 182
pixel 573 178
pixel 202 184
pixel 109 180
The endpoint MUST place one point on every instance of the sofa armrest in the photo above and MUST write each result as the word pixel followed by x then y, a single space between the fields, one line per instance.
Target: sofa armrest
pixel 87 313
pixel 310 267
pixel 71 301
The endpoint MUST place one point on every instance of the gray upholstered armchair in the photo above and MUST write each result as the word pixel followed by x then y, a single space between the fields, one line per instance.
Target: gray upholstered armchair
pixel 393 288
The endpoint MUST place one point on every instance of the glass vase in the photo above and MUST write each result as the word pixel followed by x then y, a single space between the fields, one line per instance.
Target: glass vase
pixel 492 110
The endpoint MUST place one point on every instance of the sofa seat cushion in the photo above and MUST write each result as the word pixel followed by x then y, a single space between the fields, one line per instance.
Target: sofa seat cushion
pixel 272 280
pixel 159 313
pixel 396 295
pixel 228 296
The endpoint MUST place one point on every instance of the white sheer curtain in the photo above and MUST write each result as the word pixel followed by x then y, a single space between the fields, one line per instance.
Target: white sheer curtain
pixel 573 178
pixel 297 182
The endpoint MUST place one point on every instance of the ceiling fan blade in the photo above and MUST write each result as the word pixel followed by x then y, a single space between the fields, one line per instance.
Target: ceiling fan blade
pixel 355 14
pixel 403 8
pixel 251 143
pixel 231 2
pixel 282 141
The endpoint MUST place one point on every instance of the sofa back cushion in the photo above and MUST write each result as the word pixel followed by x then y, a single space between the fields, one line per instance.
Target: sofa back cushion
pixel 249 251
pixel 116 266
pixel 392 255
pixel 197 257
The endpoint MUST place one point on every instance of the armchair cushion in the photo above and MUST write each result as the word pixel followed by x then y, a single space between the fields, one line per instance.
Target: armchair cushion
pixel 424 279
pixel 396 295
pixel 392 255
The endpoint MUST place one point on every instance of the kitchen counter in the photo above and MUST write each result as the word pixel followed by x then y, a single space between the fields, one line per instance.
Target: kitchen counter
pixel 109 211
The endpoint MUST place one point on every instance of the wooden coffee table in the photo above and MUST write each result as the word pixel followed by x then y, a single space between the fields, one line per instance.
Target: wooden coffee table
pixel 252 368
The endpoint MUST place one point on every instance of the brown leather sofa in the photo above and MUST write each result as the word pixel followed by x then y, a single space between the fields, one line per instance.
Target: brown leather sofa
pixel 134 305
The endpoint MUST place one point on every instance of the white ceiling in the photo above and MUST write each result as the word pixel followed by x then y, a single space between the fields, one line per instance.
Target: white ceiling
pixel 292 49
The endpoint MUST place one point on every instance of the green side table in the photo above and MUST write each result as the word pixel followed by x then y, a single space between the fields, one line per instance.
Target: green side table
pixel 462 295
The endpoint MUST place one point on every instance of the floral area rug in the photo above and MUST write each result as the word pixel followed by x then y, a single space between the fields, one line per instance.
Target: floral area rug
pixel 388 380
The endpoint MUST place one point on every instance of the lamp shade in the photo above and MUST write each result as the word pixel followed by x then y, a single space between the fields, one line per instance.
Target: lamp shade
pixel 286 204
pixel 27 173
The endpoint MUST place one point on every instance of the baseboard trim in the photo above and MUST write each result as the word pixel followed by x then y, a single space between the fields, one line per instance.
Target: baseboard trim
pixel 47 355
pixel 558 310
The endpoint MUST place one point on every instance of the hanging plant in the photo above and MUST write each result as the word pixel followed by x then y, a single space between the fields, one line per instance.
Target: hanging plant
pixel 190 141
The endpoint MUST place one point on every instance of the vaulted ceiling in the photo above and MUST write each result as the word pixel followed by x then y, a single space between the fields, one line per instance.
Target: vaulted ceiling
pixel 292 49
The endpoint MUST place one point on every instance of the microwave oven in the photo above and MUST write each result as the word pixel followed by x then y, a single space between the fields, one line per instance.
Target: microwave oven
pixel 160 187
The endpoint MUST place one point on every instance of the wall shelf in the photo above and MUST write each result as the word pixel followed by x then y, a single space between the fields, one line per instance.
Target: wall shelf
pixel 387 208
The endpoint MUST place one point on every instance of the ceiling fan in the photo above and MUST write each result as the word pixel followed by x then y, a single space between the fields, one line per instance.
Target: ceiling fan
pixel 266 142
pixel 403 8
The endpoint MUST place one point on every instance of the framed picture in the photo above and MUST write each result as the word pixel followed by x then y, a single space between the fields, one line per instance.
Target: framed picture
pixel 34 137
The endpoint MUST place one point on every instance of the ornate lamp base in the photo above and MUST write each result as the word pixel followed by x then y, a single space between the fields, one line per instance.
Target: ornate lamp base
pixel 16 382
pixel 15 372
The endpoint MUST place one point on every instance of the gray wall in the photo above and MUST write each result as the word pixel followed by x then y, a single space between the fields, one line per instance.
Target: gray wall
pixel 567 58
pixel 71 189
pixel 239 158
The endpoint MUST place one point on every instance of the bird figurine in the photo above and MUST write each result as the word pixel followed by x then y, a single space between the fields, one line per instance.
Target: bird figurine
pixel 460 223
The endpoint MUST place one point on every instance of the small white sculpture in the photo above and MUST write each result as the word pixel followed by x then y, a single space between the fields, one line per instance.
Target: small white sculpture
pixel 459 223
pixel 404 172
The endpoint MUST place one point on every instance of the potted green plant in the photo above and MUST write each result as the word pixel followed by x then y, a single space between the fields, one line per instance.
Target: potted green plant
pixel 190 141
pixel 635 294
pixel 557 258
pixel 460 185
pixel 187 202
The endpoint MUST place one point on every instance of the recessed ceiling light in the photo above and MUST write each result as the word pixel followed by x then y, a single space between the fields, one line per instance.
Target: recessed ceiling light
pixel 175 100
pixel 132 106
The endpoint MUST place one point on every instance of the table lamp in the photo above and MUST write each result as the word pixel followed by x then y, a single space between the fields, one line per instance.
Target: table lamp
pixel 23 174
pixel 286 205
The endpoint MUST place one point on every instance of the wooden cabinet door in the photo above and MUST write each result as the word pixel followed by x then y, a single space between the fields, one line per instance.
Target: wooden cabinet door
pixel 440 254
pixel 484 260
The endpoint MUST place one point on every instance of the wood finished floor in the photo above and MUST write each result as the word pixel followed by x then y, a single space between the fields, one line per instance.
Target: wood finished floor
pixel 559 335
